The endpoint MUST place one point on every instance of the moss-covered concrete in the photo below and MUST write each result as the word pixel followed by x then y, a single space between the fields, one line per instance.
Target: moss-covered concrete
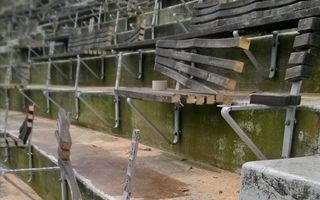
pixel 49 181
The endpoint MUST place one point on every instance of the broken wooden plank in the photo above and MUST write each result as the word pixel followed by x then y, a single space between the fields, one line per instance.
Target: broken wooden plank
pixel 187 82
pixel 239 42
pixel 306 41
pixel 199 73
pixel 298 73
pixel 63 125
pixel 206 60
pixel 301 58
pixel 311 24
pixel 275 100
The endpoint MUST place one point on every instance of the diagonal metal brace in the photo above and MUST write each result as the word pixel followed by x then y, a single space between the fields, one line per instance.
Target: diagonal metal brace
pixel 101 76
pixel 271 71
pixel 177 131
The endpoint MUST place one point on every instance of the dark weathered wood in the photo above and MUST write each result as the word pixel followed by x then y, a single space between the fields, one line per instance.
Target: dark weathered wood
pixel 199 73
pixel 27 125
pixel 187 82
pixel 294 11
pixel 273 100
pixel 301 58
pixel 256 6
pixel 306 41
pixel 311 24
pixel 207 60
pixel 298 73
pixel 239 42
pixel 206 4
pixel 63 125
pixel 222 6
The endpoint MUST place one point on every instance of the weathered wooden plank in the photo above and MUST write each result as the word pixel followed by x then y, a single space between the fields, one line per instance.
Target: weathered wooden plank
pixel 301 58
pixel 206 4
pixel 311 24
pixel 257 18
pixel 207 60
pixel 199 73
pixel 147 95
pixel 240 42
pixel 298 73
pixel 63 154
pixel 306 41
pixel 273 100
pixel 222 6
pixel 187 82
pixel 63 125
pixel 256 6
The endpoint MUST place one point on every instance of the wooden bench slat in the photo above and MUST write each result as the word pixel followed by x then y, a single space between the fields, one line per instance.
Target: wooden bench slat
pixel 258 18
pixel 311 24
pixel 274 100
pixel 306 41
pixel 298 73
pixel 221 6
pixel 199 73
pixel 187 82
pixel 239 42
pixel 207 60
pixel 256 6
pixel 301 58
pixel 206 4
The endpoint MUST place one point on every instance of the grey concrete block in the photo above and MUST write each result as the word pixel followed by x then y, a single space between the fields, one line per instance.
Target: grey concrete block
pixel 287 179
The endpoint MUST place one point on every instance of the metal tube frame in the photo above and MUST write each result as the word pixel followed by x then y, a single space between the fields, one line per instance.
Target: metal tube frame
pixel 116 96
pixel 176 129
pixel 271 71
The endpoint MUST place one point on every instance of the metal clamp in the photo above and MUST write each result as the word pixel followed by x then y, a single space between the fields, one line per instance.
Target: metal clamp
pixel 176 132
pixel 271 71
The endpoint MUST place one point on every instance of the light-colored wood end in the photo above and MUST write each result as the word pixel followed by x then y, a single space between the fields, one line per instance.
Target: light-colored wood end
pixel 176 98
pixel 191 99
pixel 200 100
pixel 231 84
pixel 244 43
pixel 211 99
pixel 238 66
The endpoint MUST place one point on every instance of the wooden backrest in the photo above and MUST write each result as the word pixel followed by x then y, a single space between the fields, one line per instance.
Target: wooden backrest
pixel 253 14
pixel 177 59
pixel 97 39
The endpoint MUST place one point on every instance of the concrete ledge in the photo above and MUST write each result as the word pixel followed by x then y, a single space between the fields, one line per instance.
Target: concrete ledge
pixel 296 178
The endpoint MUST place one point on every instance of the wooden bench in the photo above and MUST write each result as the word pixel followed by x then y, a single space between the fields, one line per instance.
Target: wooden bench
pixel 25 130
pixel 175 59
pixel 97 39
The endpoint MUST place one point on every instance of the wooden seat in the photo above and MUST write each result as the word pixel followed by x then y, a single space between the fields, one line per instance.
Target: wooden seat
pixel 10 141
pixel 175 59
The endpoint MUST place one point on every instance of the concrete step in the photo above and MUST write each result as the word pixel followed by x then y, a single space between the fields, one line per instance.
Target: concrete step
pixel 296 178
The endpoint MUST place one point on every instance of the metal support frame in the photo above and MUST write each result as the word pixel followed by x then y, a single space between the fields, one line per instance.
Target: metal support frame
pixel 290 122
pixel 132 161
pixel 140 68
pixel 176 129
pixel 183 27
pixel 186 6
pixel 265 72
pixel 116 96
pixel 101 76
pixel 155 17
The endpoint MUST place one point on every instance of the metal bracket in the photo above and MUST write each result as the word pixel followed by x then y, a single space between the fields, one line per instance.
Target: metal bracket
pixel 116 97
pixel 267 73
pixel 177 131
pixel 225 112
